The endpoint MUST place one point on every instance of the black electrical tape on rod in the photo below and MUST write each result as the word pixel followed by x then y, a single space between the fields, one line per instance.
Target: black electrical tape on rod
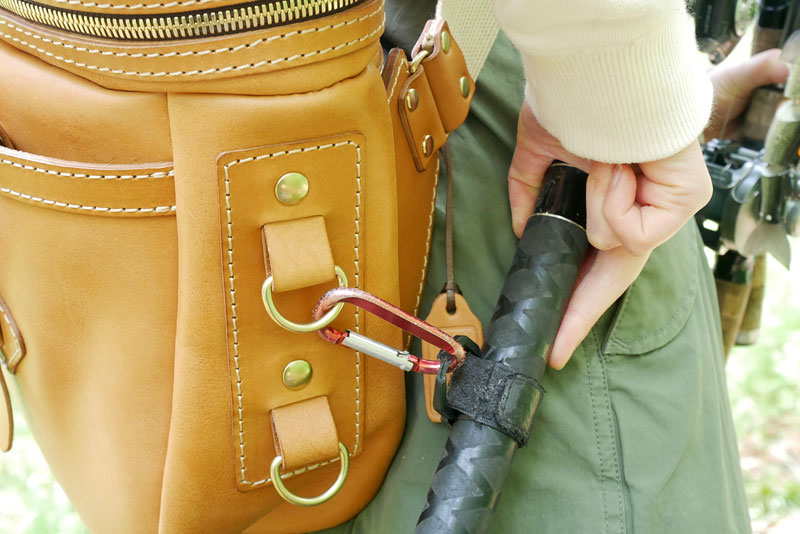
pixel 477 460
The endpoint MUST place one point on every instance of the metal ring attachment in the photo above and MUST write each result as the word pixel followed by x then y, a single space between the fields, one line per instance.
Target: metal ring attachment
pixel 283 491
pixel 322 322
pixel 417 61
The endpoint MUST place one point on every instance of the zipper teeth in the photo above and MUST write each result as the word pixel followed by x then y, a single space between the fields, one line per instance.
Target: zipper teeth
pixel 217 21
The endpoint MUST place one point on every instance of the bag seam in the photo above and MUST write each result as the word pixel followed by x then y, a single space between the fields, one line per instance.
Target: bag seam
pixel 396 77
pixel 428 238
pixel 239 394
pixel 159 174
pixel 82 207
pixel 189 53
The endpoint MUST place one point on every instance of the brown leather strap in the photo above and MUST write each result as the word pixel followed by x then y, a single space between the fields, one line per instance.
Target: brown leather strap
pixel 450 287
pixel 444 68
pixel 420 119
pixel 389 313
pixel 297 253
pixel 304 433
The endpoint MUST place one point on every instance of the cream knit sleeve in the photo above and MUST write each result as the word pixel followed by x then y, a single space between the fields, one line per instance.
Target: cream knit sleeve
pixel 618 81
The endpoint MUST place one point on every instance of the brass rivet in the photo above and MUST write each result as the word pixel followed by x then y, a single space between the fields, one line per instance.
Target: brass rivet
pixel 412 99
pixel 445 42
pixel 291 188
pixel 463 83
pixel 427 145
pixel 296 374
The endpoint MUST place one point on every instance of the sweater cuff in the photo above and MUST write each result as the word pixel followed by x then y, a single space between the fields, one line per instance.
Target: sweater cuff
pixel 643 102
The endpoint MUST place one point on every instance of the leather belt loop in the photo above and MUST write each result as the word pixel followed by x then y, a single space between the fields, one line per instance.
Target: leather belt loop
pixel 304 433
pixel 12 347
pixel 297 253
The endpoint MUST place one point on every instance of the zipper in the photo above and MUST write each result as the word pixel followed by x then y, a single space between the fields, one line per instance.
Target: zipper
pixel 226 20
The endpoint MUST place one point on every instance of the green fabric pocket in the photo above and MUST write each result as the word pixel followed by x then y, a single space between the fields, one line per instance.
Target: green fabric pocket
pixel 666 289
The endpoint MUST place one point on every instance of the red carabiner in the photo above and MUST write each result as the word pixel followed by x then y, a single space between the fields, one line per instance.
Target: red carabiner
pixel 391 314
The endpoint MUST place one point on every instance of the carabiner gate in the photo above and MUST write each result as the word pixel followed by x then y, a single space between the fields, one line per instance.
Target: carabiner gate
pixel 394 315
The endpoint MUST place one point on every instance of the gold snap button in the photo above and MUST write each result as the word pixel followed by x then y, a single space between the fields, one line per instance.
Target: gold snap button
pixel 291 188
pixel 427 145
pixel 412 99
pixel 445 38
pixel 297 374
pixel 463 83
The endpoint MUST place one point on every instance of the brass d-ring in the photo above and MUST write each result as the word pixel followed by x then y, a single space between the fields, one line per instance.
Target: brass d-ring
pixel 322 322
pixel 283 491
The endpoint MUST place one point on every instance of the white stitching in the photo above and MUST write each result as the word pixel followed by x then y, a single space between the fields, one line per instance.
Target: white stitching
pixel 159 174
pixel 190 52
pixel 396 79
pixel 428 239
pixel 234 319
pixel 177 73
pixel 132 6
pixel 81 207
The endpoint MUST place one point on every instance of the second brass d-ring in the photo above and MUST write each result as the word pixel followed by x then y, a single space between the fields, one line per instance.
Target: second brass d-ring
pixel 283 491
pixel 322 322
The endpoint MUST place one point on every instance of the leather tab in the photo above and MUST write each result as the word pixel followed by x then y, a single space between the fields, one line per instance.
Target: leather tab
pixel 11 343
pixel 422 121
pixel 461 323
pixel 13 350
pixel 304 433
pixel 297 253
pixel 444 71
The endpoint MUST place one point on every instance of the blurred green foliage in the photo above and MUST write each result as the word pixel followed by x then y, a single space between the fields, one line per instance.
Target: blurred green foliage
pixel 764 385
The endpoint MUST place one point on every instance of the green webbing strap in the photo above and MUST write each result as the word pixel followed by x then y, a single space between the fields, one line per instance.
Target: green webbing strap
pixel 474 26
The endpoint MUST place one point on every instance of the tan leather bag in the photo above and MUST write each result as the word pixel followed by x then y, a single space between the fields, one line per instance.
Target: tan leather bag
pixel 152 174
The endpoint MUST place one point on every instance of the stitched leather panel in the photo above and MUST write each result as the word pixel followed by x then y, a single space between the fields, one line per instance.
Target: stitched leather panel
pixel 111 191
pixel 247 185
pixel 172 64
pixel 272 131
pixel 94 294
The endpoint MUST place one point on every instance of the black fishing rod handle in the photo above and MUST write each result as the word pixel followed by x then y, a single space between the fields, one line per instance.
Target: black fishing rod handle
pixel 477 458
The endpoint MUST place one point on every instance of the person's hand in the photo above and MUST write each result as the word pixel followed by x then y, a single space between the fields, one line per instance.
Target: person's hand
pixel 734 85
pixel 630 211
